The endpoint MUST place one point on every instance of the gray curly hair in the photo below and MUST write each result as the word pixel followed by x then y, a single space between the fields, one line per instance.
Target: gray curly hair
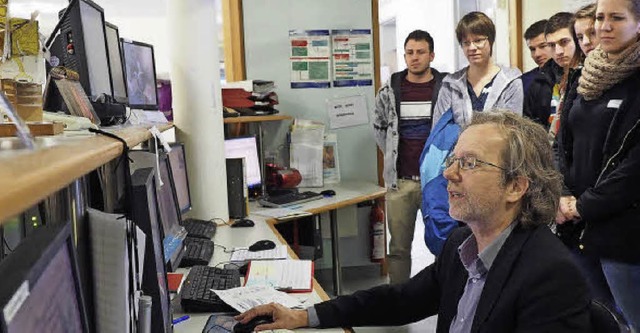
pixel 527 154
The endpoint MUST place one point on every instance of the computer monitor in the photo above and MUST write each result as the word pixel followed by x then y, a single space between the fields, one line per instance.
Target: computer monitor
pixel 140 73
pixel 115 64
pixel 169 213
pixel 178 164
pixel 154 275
pixel 84 47
pixel 41 289
pixel 245 147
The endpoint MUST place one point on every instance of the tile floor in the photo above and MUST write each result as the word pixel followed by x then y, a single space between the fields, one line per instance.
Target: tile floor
pixel 357 278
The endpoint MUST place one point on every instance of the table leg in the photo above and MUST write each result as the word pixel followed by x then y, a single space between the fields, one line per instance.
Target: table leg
pixel 335 252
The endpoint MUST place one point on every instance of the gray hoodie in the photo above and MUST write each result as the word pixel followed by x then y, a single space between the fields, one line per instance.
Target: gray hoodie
pixel 506 93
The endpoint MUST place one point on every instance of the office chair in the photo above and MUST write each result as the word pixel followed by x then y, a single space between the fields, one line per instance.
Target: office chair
pixel 603 320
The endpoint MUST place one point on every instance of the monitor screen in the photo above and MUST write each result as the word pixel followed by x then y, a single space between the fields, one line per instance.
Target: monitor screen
pixel 245 147
pixel 40 290
pixel 169 215
pixel 95 48
pixel 115 64
pixel 140 74
pixel 178 164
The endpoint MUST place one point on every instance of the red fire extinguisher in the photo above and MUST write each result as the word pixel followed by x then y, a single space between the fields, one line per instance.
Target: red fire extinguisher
pixel 377 232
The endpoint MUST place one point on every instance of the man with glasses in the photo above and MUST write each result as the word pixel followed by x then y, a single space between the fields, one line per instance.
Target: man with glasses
pixel 502 272
pixel 543 96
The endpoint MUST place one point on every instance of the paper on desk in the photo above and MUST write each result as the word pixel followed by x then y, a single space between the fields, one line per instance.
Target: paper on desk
pixel 245 298
pixel 243 254
pixel 282 213
pixel 292 275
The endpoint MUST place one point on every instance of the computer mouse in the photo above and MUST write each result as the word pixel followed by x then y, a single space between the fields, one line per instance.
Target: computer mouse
pixel 328 193
pixel 262 245
pixel 251 324
pixel 243 223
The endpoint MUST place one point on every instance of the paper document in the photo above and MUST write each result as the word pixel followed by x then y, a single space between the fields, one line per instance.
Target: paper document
pixel 282 213
pixel 243 254
pixel 287 275
pixel 245 298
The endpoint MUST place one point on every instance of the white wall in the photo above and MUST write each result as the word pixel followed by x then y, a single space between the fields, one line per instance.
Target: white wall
pixel 434 16
pixel 266 41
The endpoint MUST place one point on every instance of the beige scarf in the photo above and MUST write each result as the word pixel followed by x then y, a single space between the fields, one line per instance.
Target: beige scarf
pixel 601 73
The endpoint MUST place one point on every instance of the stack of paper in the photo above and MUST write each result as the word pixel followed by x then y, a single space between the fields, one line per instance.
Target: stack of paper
pixel 285 275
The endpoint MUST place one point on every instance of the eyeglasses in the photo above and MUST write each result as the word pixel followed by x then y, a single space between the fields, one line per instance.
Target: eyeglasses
pixel 468 162
pixel 479 43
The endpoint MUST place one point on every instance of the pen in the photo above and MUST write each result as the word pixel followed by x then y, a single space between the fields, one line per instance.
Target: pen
pixel 179 320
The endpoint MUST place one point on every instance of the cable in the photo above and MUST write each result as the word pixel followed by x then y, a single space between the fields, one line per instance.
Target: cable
pixel 219 219
pixel 4 240
pixel 224 248
pixel 228 263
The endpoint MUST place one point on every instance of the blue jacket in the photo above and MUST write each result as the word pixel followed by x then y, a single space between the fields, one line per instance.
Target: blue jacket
pixel 435 199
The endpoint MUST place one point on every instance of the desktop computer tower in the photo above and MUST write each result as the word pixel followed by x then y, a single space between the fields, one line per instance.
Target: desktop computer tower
pixel 237 192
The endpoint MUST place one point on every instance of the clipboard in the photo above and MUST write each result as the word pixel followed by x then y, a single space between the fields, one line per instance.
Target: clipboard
pixel 291 276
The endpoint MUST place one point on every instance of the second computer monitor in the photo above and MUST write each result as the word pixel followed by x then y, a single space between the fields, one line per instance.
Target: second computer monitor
pixel 245 147
pixel 178 164
pixel 115 63
pixel 140 74
pixel 169 214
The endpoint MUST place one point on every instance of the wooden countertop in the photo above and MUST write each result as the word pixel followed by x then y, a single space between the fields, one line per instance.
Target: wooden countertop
pixel 29 176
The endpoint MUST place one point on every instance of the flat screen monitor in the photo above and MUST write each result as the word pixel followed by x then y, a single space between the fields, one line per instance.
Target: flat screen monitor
pixel 245 147
pixel 41 289
pixel 85 47
pixel 178 164
pixel 115 64
pixel 169 214
pixel 140 73
pixel 154 275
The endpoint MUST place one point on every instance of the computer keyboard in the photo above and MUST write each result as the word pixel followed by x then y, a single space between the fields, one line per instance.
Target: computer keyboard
pixel 289 199
pixel 198 251
pixel 199 228
pixel 196 294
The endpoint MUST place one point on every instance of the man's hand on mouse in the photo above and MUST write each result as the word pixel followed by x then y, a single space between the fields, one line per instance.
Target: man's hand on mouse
pixel 283 318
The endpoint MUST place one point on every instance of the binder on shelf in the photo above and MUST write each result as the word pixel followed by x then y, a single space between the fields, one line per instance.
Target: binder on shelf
pixel 292 276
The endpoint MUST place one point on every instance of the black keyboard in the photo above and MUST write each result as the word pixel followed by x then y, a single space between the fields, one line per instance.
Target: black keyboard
pixel 196 294
pixel 199 228
pixel 289 199
pixel 198 251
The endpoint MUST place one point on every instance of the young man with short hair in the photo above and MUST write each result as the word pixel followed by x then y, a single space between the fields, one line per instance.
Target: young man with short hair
pixel 539 50
pixel 402 123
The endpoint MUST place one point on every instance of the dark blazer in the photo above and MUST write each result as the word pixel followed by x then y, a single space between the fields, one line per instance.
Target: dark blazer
pixel 532 286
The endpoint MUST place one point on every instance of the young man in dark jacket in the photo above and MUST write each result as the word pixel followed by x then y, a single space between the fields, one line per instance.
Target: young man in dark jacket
pixel 543 96
pixel 540 51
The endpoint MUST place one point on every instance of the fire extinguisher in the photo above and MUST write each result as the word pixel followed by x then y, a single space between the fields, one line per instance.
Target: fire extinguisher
pixel 376 229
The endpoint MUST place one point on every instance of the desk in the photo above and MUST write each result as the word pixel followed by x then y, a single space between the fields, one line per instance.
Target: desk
pixel 347 194
pixel 235 237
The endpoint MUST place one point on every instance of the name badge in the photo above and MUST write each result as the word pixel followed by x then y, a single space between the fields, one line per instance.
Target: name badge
pixel 614 103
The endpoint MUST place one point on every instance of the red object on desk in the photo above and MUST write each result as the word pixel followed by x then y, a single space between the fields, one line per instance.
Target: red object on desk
pixel 174 280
